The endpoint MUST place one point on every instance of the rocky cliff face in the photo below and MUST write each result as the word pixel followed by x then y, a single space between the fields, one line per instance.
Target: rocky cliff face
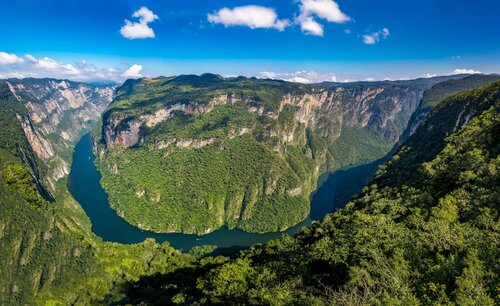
pixel 54 115
pixel 384 110
pixel 442 90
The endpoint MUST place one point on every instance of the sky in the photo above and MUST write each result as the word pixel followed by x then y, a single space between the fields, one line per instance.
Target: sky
pixel 298 40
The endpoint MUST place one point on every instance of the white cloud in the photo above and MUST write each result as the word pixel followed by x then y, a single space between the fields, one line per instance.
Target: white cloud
pixel 429 75
pixel 141 29
pixel 79 71
pixel 328 10
pixel 298 79
pixel 9 59
pixel 465 71
pixel 370 39
pixel 47 63
pixel 385 32
pixel 252 16
pixel 325 9
pixel 373 38
pixel 311 27
pixel 268 74
pixel 31 58
pixel 347 31
pixel 303 76
pixel 133 71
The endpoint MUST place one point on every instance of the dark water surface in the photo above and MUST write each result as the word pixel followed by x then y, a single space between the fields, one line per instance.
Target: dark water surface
pixel 334 191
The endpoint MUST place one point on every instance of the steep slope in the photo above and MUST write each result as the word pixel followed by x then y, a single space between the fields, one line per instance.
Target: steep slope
pixel 48 254
pixel 445 89
pixel 446 118
pixel 53 115
pixel 193 153
pixel 429 237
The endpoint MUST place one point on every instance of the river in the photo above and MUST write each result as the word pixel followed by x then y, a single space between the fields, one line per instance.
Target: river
pixel 334 191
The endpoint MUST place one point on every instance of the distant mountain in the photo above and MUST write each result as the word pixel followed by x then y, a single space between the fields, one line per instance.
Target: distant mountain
pixel 420 82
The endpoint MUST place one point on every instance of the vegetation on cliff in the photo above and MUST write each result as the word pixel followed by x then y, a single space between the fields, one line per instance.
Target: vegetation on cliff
pixel 194 153
pixel 428 237
pixel 422 237
pixel 48 254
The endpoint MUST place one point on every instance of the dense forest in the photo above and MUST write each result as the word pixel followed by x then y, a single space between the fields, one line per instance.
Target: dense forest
pixel 193 153
pixel 48 253
pixel 424 232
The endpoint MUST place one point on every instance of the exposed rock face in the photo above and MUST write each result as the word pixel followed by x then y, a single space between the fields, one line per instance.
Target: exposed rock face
pixel 130 135
pixel 195 143
pixel 326 110
pixel 40 145
pixel 56 113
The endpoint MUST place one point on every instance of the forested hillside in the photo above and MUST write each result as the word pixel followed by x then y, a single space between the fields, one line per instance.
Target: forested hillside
pixel 48 254
pixel 193 153
pixel 424 232
pixel 428 236
pixel 441 90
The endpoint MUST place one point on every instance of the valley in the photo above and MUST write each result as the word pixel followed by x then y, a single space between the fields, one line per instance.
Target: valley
pixel 234 153
pixel 100 258
pixel 334 191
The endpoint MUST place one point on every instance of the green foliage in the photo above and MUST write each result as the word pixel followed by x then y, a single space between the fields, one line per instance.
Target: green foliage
pixel 430 136
pixel 225 180
pixel 19 179
pixel 243 161
pixel 444 89
pixel 48 254
pixel 227 166
pixel 357 146
pixel 136 97
pixel 427 238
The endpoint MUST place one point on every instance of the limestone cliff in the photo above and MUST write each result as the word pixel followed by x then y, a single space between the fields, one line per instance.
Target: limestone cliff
pixel 54 114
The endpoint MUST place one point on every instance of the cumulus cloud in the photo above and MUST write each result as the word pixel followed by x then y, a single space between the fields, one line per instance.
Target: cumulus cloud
pixel 328 10
pixel 325 9
pixel 304 76
pixel 79 71
pixel 465 71
pixel 252 16
pixel 9 59
pixel 373 38
pixel 141 29
pixel 133 71
pixel 310 27
pixel 47 63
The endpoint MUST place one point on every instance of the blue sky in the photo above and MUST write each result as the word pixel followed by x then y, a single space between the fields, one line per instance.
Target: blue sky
pixel 302 40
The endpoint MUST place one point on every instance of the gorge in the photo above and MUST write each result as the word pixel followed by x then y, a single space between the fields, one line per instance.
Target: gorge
pixel 47 241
